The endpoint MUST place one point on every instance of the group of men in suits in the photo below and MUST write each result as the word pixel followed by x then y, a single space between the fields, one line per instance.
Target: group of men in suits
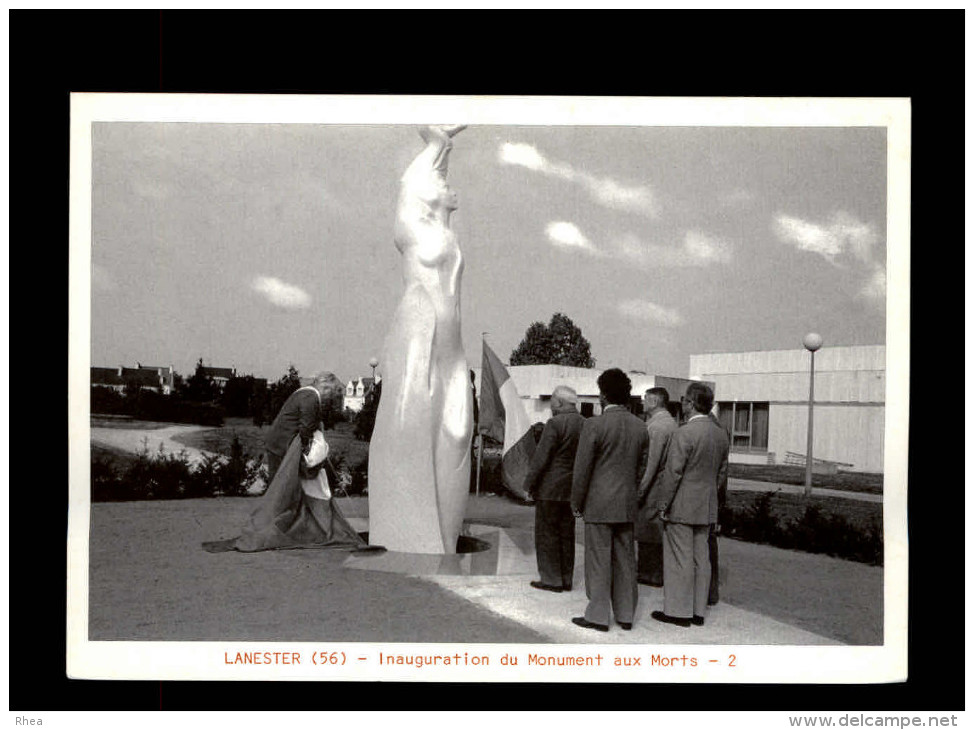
pixel 631 481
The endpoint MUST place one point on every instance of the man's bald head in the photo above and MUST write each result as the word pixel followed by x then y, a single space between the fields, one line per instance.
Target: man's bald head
pixel 563 399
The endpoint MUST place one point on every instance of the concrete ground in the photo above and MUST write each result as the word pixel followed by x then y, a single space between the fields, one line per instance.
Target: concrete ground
pixel 149 579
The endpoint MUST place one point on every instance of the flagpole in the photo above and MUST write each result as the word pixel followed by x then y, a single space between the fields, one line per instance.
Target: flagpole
pixel 480 458
pixel 480 434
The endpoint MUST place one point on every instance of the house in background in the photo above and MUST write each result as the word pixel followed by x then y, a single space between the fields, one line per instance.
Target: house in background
pixel 108 378
pixel 219 376
pixel 159 379
pixel 167 376
pixel 357 389
pixel 763 402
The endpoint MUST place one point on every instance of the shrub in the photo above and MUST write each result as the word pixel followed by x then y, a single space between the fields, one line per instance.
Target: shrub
pixel 164 475
pixel 358 483
pixel 814 531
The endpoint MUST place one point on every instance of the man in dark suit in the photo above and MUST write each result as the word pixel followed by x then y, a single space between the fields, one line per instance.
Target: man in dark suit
pixel 611 458
pixel 300 415
pixel 686 499
pixel 648 531
pixel 549 481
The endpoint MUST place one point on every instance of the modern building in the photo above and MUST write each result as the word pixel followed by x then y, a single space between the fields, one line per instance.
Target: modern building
pixel 763 401
pixel 357 389
pixel 534 383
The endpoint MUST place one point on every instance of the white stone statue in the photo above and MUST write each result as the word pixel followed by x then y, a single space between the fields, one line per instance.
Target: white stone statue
pixel 419 458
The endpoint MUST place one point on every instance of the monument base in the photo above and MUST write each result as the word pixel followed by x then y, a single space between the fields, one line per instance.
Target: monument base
pixel 485 553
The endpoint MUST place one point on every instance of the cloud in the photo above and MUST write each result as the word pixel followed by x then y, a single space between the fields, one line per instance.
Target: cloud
pixel 704 249
pixel 603 190
pixel 568 235
pixel 281 294
pixel 522 154
pixel 739 198
pixel 650 312
pixel 696 249
pixel 841 234
pixel 844 241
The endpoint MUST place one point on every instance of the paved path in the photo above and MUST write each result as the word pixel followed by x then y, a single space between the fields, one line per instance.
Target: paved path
pixel 550 615
pixel 748 485
pixel 134 440
pixel 498 580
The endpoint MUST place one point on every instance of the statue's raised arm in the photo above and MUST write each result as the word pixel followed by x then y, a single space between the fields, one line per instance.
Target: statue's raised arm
pixel 425 194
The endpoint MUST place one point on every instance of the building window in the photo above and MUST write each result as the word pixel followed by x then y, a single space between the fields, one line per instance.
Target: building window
pixel 747 424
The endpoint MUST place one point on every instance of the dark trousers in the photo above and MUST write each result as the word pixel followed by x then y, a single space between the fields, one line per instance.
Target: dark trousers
pixel 273 464
pixel 650 554
pixel 714 596
pixel 610 572
pixel 554 540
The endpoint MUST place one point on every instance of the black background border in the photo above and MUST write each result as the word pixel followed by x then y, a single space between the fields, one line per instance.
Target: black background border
pixel 858 54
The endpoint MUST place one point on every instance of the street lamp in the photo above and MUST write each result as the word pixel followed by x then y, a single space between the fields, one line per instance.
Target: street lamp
pixel 373 363
pixel 812 342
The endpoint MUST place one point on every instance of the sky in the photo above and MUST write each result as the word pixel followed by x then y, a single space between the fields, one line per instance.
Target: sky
pixel 256 246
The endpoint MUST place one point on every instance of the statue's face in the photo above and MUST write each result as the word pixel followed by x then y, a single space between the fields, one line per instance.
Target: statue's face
pixel 439 195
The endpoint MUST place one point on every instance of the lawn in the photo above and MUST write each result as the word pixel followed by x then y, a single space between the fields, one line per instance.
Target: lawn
pixel 846 480
pixel 120 459
pixel 129 424
pixel 341 440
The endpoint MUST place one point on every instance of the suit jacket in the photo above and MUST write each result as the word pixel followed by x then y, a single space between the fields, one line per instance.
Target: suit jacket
pixel 550 473
pixel 610 459
pixel 722 482
pixel 660 428
pixel 695 465
pixel 298 416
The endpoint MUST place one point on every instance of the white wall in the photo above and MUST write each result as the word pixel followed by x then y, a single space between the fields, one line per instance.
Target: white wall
pixel 850 396
pixel 849 434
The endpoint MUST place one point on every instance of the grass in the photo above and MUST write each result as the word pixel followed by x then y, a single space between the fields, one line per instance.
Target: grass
pixel 848 481
pixel 341 440
pixel 129 423
pixel 121 460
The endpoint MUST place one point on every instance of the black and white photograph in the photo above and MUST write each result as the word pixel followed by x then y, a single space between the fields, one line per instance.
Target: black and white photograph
pixel 488 389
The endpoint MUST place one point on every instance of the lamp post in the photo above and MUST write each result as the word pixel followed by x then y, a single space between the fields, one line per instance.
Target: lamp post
pixel 373 363
pixel 812 342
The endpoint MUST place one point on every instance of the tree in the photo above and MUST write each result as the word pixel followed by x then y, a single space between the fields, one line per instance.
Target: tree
pixel 199 388
pixel 559 343
pixel 279 392
pixel 365 422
